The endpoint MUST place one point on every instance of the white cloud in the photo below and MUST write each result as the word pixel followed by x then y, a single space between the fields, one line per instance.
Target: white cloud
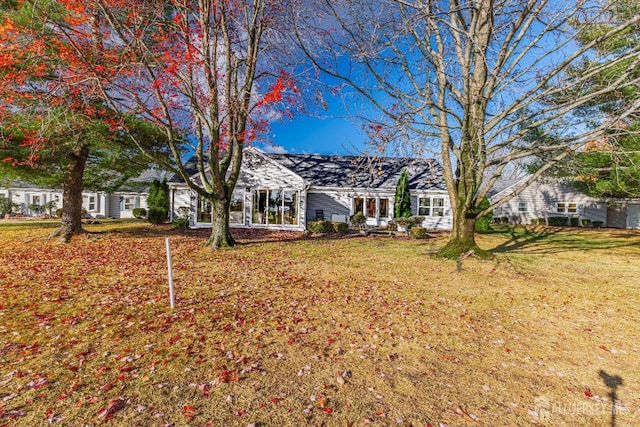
pixel 275 149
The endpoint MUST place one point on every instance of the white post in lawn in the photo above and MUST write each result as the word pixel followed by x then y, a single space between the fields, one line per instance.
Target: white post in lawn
pixel 171 295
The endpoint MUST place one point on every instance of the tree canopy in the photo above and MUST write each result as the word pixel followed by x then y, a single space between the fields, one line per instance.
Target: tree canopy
pixel 469 79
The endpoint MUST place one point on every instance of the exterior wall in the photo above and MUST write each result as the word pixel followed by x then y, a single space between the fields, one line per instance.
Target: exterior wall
pixel 25 196
pixel 444 222
pixel 118 208
pixel 617 215
pixel 330 202
pixel 341 202
pixel 258 173
pixel 633 216
pixel 179 197
pixel 103 202
pixel 542 198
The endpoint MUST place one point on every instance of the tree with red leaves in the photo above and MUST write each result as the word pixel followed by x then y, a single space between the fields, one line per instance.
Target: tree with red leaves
pixel 203 71
pixel 55 126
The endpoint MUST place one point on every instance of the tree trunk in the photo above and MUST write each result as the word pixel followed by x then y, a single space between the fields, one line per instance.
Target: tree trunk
pixel 72 195
pixel 220 233
pixel 463 242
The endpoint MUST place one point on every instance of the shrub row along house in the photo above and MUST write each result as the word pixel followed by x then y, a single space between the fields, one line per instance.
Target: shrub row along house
pixel 286 191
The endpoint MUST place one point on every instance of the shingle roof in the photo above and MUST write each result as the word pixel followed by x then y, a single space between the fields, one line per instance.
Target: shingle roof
pixel 353 171
pixel 360 172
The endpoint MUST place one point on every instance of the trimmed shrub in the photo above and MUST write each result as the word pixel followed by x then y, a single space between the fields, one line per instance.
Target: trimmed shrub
pixel 575 221
pixel 558 221
pixel 586 222
pixel 418 233
pixel 597 224
pixel 542 221
pixel 157 216
pixel 140 213
pixel 534 221
pixel 358 219
pixel 403 222
pixel 482 224
pixel 180 222
pixel 321 227
pixel 59 212
pixel 504 219
pixel 416 220
pixel 340 227
pixel 158 202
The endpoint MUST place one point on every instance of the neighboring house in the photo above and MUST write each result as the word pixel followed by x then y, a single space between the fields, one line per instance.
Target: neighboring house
pixel 286 191
pixel 98 204
pixel 547 197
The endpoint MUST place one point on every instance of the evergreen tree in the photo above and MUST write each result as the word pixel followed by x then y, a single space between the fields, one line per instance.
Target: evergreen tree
pixel 158 202
pixel 402 206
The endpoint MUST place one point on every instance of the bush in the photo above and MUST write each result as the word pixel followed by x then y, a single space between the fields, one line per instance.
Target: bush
pixel 418 232
pixel 402 221
pixel 558 221
pixel 534 221
pixel 586 222
pixel 542 221
pixel 504 219
pixel 482 224
pixel 157 216
pixel 358 219
pixel 597 224
pixel 575 222
pixel 139 213
pixel 340 227
pixel 321 227
pixel 416 220
pixel 180 223
pixel 59 212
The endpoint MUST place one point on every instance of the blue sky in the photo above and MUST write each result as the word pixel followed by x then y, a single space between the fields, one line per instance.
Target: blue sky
pixel 316 135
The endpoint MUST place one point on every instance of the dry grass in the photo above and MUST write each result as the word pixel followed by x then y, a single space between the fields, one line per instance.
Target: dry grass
pixel 317 332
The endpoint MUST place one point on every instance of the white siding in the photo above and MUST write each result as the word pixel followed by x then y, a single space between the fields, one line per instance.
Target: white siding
pixel 434 222
pixel 542 199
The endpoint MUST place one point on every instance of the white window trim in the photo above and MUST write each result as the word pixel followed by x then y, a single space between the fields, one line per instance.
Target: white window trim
pixel 431 207
pixel 526 207
pixel 566 208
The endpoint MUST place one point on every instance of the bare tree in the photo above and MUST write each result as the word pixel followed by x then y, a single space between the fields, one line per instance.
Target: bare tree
pixel 206 72
pixel 475 77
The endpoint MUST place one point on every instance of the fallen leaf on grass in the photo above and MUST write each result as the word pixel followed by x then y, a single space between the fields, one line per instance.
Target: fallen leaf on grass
pixel 114 406
pixel 189 411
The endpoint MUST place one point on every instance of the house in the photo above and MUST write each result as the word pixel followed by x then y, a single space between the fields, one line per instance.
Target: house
pixel 286 191
pixel 545 198
pixel 98 204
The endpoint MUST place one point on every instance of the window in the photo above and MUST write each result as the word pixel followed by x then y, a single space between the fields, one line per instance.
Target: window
pixel 129 203
pixel 424 206
pixel 35 200
pixel 523 207
pixel 275 207
pixel 204 210
pixel 384 208
pixel 358 205
pixel 430 206
pixel 236 208
pixel 437 206
pixel 565 207
pixel 371 208
pixel 92 203
pixel 290 208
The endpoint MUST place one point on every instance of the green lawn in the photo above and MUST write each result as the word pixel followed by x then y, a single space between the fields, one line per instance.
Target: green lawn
pixel 283 331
